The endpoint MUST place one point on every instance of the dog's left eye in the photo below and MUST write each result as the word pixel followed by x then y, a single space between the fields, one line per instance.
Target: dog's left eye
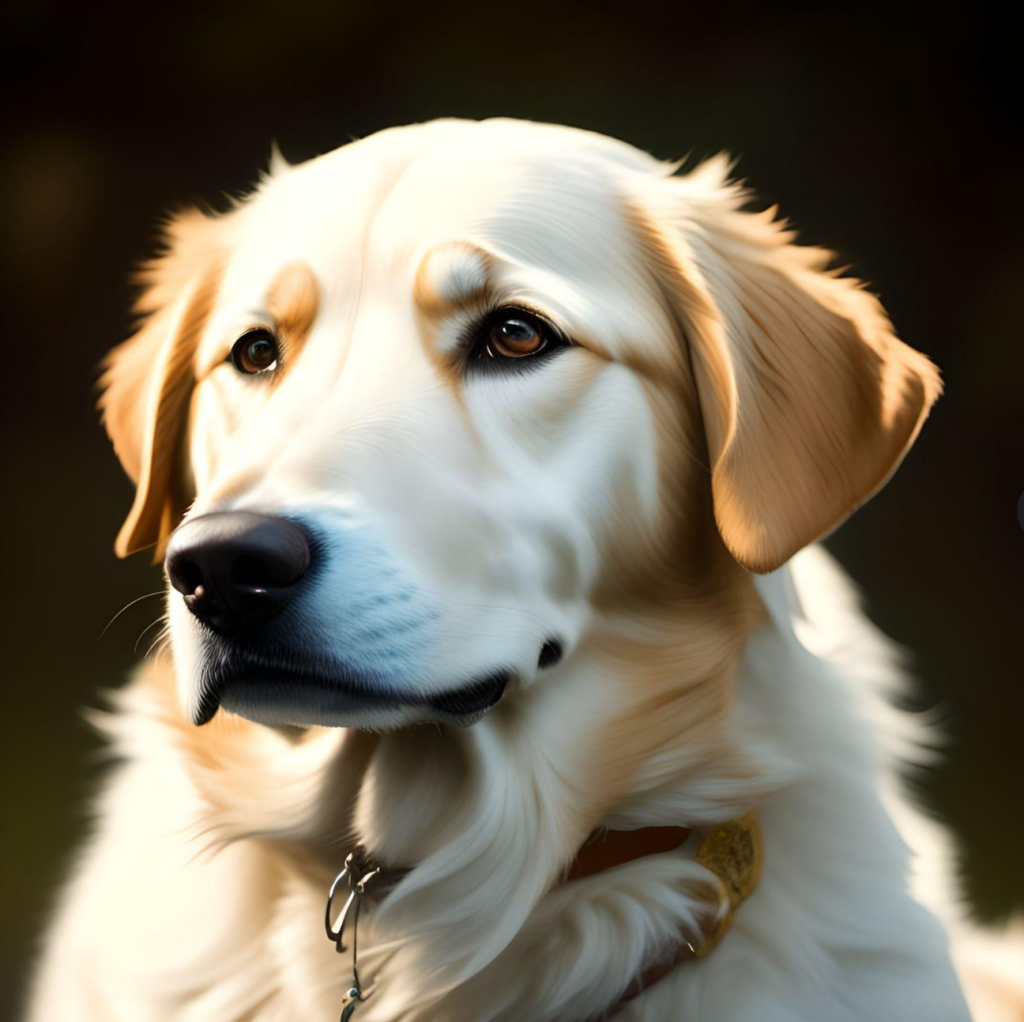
pixel 255 352
pixel 514 335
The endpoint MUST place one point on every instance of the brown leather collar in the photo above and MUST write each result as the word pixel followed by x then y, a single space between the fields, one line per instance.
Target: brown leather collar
pixel 606 849
pixel 732 851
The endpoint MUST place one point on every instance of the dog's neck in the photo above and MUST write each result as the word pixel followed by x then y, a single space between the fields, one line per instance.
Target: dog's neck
pixel 491 815
pixel 732 852
pixel 635 730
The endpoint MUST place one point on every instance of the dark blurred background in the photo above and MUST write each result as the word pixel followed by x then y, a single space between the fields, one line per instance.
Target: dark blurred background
pixel 885 132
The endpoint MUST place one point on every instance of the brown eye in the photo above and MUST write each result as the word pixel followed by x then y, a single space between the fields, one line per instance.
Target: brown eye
pixel 512 340
pixel 255 352
pixel 516 335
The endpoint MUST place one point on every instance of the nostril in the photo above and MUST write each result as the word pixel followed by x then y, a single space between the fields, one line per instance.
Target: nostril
pixel 550 654
pixel 186 576
pixel 247 570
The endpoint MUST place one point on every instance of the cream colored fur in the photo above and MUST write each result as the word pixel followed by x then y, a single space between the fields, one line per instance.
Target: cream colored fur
pixel 726 402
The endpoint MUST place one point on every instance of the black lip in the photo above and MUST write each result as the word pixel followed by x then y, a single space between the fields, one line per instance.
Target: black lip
pixel 457 704
pixel 480 696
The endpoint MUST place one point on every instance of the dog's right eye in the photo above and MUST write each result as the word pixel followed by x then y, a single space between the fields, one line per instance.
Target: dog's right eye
pixel 255 352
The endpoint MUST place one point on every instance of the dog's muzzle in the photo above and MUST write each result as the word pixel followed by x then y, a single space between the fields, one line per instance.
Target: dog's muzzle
pixel 239 574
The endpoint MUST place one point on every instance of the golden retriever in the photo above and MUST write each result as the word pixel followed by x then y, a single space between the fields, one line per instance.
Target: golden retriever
pixel 462 445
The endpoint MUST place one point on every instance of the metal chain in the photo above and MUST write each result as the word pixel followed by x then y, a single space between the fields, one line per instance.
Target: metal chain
pixel 359 872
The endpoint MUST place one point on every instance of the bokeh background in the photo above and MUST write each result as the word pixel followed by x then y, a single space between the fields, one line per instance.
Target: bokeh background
pixel 884 131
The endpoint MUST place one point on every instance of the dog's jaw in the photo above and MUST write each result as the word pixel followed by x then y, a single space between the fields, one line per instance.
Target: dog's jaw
pixel 271 698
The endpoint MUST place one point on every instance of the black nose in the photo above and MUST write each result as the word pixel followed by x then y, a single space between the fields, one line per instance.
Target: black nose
pixel 236 569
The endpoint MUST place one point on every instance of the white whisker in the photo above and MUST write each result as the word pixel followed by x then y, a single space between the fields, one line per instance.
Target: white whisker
pixel 139 599
pixel 152 624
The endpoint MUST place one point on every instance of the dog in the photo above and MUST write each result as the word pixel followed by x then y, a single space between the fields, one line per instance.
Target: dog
pixel 487 462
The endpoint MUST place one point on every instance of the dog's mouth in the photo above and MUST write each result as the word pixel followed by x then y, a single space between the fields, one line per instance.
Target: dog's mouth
pixel 281 694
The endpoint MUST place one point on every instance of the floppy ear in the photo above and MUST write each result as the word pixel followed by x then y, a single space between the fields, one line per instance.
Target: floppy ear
pixel 809 400
pixel 148 380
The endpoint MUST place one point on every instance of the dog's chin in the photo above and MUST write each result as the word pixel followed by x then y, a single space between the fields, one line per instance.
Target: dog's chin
pixel 278 698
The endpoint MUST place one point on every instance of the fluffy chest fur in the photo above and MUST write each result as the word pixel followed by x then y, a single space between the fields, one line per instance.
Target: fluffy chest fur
pixel 481 929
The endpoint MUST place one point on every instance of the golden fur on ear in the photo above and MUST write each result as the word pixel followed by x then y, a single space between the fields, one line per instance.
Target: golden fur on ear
pixel 147 381
pixel 809 399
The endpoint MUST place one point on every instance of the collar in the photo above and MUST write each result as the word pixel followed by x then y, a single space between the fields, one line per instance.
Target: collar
pixel 606 849
pixel 732 851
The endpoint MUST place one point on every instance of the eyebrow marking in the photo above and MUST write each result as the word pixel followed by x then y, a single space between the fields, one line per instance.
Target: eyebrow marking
pixel 293 300
pixel 451 276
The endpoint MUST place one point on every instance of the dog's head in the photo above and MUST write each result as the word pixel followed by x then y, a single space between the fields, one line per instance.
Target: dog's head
pixel 406 416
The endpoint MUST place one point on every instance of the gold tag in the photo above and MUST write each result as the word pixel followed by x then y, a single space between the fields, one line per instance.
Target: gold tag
pixel 734 852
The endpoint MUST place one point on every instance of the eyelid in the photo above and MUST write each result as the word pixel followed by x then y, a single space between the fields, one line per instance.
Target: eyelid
pixel 252 330
pixel 543 317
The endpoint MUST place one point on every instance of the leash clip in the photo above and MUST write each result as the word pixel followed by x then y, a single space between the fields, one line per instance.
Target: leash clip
pixel 358 871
